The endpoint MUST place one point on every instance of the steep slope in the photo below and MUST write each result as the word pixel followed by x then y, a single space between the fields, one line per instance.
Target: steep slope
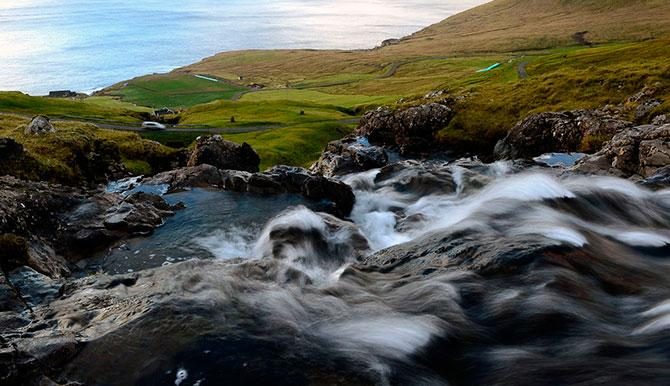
pixel 509 25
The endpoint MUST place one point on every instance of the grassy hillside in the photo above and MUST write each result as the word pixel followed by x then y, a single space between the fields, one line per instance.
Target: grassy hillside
pixel 173 90
pixel 513 25
pixel 542 68
pixel 59 156
pixel 95 108
pixel 559 79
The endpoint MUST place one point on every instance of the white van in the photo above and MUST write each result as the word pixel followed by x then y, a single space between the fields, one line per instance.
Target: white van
pixel 153 126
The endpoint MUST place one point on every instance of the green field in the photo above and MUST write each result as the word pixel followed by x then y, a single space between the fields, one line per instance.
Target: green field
pixel 95 108
pixel 173 90
pixel 296 145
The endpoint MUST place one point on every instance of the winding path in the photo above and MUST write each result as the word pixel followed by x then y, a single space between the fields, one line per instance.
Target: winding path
pixel 124 126
pixel 521 70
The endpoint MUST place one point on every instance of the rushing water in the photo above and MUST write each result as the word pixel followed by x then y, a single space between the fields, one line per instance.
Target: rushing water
pixel 214 224
pixel 86 45
pixel 455 273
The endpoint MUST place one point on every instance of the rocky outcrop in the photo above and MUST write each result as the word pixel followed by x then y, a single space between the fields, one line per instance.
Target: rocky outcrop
pixel 642 104
pixel 660 179
pixel 278 180
pixel 411 130
pixel 47 226
pixel 97 161
pixel 9 148
pixel 89 161
pixel 349 155
pixel 40 124
pixel 567 131
pixel 215 151
pixel 15 161
pixel 637 152
pixel 659 120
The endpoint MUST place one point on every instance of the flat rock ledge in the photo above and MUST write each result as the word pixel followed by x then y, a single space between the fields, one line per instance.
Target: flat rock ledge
pixel 277 180
pixel 48 226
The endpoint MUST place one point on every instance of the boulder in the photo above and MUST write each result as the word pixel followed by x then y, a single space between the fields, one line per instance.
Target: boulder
pixel 40 124
pixel 565 131
pixel 349 155
pixel 660 120
pixel 412 130
pixel 215 151
pixel 637 152
pixel 660 179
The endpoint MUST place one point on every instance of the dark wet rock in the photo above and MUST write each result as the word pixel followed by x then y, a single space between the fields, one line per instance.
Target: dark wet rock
pixel 320 188
pixel 10 299
pixel 660 179
pixel 292 178
pixel 27 218
pixel 484 295
pixel 277 180
pixel 34 287
pixel 94 324
pixel 640 151
pixel 139 214
pixel 561 132
pixel 432 177
pixel 108 217
pixel 45 226
pixel 263 184
pixel 466 250
pixel 201 176
pixel 318 240
pixel 99 162
pixel 417 177
pixel 40 124
pixel 349 155
pixel 215 151
pixel 411 130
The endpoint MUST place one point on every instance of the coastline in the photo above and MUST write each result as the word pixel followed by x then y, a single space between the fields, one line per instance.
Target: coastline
pixel 127 55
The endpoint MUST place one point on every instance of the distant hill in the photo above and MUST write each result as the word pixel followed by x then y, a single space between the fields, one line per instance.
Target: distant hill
pixel 510 25
pixel 495 27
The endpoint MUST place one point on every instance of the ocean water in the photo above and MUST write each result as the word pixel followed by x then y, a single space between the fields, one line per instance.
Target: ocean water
pixel 85 45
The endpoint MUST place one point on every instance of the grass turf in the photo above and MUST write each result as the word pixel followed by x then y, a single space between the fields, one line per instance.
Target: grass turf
pixel 173 90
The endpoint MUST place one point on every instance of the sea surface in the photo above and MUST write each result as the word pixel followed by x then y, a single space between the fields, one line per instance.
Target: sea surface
pixel 87 45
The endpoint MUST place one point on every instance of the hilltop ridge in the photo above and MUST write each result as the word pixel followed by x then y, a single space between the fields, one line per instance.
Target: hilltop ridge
pixel 510 25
